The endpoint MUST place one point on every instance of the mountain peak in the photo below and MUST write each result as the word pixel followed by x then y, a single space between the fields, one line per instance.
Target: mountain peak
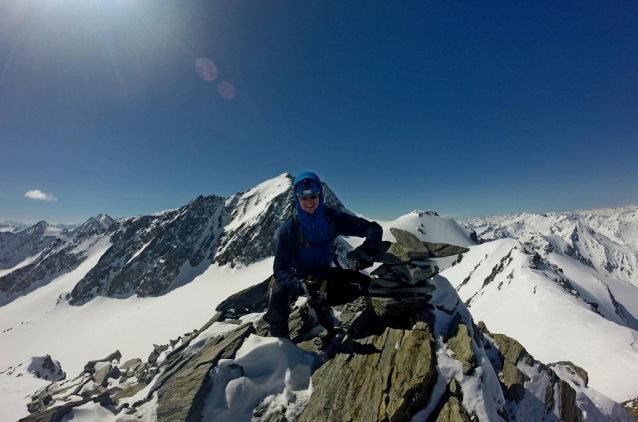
pixel 424 213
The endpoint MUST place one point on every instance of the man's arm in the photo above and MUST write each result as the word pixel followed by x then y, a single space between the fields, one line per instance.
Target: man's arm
pixel 351 225
pixel 284 252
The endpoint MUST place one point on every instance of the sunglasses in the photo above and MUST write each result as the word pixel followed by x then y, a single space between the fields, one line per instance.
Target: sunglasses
pixel 303 197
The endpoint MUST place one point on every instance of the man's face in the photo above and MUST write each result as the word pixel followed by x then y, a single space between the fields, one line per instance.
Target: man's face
pixel 309 205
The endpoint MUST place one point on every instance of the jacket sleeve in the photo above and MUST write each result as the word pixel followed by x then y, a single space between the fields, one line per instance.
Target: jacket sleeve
pixel 351 225
pixel 284 253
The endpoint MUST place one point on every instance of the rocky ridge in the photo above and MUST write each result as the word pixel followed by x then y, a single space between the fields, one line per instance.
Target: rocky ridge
pixel 50 255
pixel 601 239
pixel 149 253
pixel 14 247
pixel 393 358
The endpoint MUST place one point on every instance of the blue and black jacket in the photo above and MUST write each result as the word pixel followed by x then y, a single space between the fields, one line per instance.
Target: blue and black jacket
pixel 294 263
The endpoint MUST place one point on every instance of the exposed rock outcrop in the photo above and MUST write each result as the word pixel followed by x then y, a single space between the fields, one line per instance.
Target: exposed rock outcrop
pixel 148 253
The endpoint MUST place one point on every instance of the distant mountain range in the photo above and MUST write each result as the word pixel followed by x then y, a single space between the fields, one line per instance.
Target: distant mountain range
pixel 16 226
pixel 604 239
pixel 565 285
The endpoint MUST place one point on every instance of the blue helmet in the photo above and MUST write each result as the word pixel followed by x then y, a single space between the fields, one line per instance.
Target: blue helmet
pixel 308 182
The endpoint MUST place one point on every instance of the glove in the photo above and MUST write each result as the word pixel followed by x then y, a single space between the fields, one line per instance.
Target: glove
pixel 311 289
pixel 364 262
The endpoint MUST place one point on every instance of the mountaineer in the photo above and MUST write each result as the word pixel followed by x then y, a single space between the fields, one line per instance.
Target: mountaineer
pixel 303 254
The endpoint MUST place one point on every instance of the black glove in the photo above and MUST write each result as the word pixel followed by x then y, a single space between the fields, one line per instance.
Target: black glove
pixel 364 262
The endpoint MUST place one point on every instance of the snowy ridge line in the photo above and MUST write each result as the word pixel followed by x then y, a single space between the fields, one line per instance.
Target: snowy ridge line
pixel 555 312
pixel 607 239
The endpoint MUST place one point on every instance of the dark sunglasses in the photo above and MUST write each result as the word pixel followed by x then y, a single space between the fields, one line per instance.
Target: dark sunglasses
pixel 308 196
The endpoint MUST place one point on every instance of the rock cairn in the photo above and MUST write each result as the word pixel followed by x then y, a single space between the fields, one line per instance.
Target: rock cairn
pixel 405 263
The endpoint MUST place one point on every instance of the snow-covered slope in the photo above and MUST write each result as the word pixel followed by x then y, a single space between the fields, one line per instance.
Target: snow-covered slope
pixel 428 226
pixel 559 312
pixel 42 253
pixel 13 226
pixel 43 322
pixel 16 247
pixel 605 239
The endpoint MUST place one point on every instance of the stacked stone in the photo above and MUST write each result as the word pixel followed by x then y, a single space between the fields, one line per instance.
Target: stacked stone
pixel 404 263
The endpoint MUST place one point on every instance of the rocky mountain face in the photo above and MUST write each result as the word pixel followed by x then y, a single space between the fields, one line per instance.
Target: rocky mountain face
pixel 392 358
pixel 46 253
pixel 149 253
pixel 15 247
pixel 602 239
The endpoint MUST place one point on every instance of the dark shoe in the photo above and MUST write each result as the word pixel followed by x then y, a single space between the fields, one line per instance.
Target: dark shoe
pixel 279 330
pixel 324 317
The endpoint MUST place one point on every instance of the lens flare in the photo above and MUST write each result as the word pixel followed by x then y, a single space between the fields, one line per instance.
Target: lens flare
pixel 206 69
pixel 226 90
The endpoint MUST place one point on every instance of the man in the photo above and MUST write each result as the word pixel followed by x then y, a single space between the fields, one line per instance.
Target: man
pixel 304 252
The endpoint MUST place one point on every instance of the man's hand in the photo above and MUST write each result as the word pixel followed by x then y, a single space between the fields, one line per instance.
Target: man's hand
pixel 311 289
pixel 364 262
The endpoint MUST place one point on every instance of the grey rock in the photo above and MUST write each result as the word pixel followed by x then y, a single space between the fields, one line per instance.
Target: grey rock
pixel 575 369
pixel 181 396
pixel 511 349
pixel 131 364
pixel 300 322
pixel 402 271
pixel 252 299
pixel 514 381
pixel 393 278
pixel 121 408
pixel 160 348
pixel 386 283
pixel 56 414
pixel 129 391
pixel 382 270
pixel 421 290
pixel 421 273
pixel 631 406
pixel 453 411
pixel 259 414
pixel 459 340
pixel 411 245
pixel 395 306
pixel 101 375
pixel 568 406
pixel 382 374
pixel 412 273
pixel 441 250
pixel 386 254
pixel 113 357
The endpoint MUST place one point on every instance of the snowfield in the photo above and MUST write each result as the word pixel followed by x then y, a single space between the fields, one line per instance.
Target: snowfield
pixel 44 323
pixel 551 321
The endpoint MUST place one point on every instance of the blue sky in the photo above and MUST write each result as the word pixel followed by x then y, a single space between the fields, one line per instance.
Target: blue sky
pixel 467 108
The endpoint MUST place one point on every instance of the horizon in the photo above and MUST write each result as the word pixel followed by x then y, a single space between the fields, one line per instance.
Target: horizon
pixel 447 215
pixel 128 108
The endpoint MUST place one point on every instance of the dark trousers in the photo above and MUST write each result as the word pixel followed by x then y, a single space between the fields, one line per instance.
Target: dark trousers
pixel 343 286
